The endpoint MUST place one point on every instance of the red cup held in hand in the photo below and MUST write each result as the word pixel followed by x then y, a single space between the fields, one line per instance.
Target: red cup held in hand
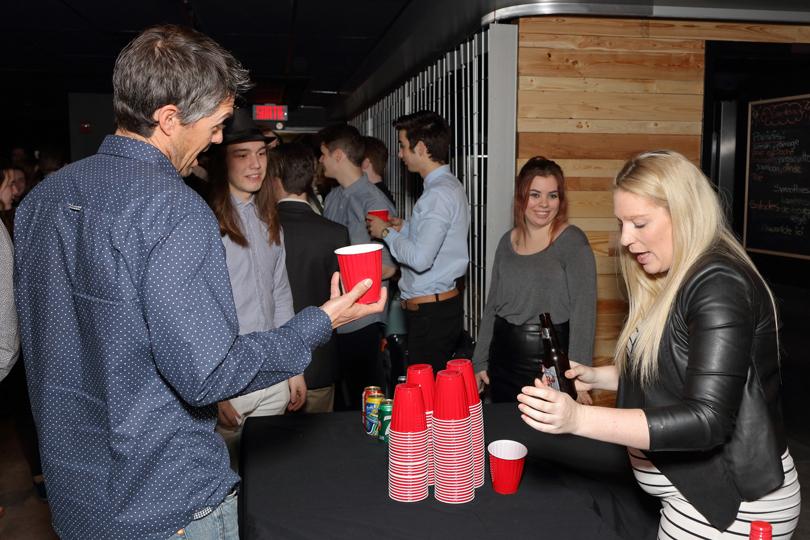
pixel 359 262
pixel 382 214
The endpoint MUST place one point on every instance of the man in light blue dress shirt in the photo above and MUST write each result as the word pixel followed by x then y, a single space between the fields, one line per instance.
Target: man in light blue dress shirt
pixel 431 247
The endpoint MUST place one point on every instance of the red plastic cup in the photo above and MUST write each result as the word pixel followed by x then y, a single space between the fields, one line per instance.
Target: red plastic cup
pixel 506 459
pixel 450 399
pixel 359 262
pixel 382 214
pixel 422 374
pixel 466 368
pixel 408 414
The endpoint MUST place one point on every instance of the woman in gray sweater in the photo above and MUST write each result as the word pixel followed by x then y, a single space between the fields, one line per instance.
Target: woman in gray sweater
pixel 543 264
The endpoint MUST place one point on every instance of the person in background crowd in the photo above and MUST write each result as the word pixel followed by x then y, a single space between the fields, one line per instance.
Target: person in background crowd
pixel 254 253
pixel 431 247
pixel 310 241
pixel 348 204
pixel 273 139
pixel 127 320
pixel 9 330
pixel 315 197
pixel 12 181
pixel 697 364
pixel 374 162
pixel 197 179
pixel 19 156
pixel 12 187
pixel 542 265
pixel 50 158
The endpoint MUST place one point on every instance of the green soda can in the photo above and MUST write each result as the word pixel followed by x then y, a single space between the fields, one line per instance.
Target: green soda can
pixel 373 414
pixel 386 409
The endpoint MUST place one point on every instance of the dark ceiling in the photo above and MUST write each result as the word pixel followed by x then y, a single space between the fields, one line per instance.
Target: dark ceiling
pixel 299 52
pixel 326 59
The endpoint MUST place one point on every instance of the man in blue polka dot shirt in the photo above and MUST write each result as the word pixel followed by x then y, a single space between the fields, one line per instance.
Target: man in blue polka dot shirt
pixel 128 325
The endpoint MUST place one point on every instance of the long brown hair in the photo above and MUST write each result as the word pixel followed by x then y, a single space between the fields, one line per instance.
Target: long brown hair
pixel 538 166
pixel 222 204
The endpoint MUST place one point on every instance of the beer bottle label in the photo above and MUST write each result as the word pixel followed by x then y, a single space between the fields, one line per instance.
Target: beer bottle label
pixel 550 377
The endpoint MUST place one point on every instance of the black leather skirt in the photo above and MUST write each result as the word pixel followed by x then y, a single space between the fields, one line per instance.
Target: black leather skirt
pixel 515 356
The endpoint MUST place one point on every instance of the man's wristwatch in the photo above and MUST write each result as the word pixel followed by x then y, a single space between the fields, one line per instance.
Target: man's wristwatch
pixel 385 232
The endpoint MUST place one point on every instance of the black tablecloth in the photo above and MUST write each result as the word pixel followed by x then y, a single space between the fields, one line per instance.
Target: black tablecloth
pixel 320 476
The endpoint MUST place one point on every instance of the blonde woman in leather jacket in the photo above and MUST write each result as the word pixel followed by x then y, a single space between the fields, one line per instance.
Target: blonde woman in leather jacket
pixel 697 364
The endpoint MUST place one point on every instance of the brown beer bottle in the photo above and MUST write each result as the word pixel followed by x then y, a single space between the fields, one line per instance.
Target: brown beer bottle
pixel 555 360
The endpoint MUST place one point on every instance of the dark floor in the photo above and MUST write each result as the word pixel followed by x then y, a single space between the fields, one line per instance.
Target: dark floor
pixel 27 517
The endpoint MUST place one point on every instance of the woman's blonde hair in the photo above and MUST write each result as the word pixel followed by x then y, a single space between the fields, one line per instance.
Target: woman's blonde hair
pixel 671 181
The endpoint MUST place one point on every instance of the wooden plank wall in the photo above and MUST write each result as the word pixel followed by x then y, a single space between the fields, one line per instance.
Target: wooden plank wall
pixel 592 93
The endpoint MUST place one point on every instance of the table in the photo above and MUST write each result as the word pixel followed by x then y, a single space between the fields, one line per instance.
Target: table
pixel 319 476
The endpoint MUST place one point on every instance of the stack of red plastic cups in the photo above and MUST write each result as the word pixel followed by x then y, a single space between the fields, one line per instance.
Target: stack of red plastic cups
pixel 452 440
pixel 408 446
pixel 476 417
pixel 422 376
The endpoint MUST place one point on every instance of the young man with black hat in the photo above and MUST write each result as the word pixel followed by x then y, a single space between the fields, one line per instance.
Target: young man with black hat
pixel 246 211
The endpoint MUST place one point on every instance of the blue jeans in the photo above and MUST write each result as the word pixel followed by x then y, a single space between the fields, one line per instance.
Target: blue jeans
pixel 221 524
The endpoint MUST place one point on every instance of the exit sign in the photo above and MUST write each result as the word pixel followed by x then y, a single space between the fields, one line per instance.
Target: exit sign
pixel 273 113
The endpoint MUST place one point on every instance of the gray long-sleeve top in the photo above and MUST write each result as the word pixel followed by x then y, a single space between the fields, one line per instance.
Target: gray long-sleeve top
pixel 560 280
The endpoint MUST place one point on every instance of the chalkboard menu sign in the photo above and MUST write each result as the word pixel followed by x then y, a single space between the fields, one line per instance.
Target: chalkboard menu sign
pixel 777 191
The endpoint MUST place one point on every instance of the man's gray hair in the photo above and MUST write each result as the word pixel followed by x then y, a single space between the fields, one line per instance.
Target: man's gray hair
pixel 173 65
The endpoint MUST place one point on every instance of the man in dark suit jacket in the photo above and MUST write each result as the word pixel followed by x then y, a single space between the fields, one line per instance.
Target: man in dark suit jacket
pixel 310 242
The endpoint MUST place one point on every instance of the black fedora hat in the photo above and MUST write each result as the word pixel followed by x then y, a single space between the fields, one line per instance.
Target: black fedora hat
pixel 241 128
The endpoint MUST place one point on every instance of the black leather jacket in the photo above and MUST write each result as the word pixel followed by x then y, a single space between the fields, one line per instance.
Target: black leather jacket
pixel 714 413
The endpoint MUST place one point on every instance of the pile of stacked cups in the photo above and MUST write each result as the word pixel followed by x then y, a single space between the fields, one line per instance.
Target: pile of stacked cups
pixel 408 446
pixel 442 446
pixel 452 440
pixel 476 417
pixel 422 376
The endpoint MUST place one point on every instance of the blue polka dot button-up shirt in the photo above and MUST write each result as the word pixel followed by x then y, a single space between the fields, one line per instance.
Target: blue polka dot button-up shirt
pixel 130 337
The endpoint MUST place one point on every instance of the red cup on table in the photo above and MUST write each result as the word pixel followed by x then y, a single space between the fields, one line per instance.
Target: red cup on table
pixel 382 214
pixel 422 375
pixel 506 460
pixel 408 414
pixel 450 397
pixel 359 262
pixel 465 367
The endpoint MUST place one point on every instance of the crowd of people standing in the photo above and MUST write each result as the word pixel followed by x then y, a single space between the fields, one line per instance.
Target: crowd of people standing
pixel 154 321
